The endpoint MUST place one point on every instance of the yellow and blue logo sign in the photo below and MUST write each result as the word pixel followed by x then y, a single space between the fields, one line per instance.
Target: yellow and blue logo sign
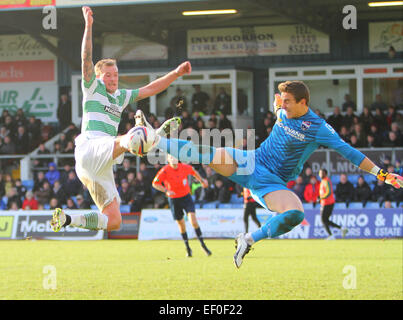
pixel 6 226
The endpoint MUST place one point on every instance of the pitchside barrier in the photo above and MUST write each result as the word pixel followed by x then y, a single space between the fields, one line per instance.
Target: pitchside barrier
pixel 215 223
pixel 35 224
pixel 227 223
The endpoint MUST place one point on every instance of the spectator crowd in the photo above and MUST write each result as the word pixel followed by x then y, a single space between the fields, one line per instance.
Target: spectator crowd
pixel 56 184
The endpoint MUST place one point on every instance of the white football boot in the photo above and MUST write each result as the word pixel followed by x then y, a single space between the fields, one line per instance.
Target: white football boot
pixel 242 248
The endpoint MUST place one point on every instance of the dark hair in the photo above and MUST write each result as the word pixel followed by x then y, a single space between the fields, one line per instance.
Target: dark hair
pixel 324 170
pixel 297 88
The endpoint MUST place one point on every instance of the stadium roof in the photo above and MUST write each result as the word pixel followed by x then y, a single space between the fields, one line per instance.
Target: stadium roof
pixel 154 20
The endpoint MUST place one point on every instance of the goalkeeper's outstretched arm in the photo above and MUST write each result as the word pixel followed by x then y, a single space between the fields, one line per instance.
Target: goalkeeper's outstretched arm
pixel 389 178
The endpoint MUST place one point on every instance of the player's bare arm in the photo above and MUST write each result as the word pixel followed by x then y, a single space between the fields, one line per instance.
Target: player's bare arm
pixel 87 66
pixel 162 83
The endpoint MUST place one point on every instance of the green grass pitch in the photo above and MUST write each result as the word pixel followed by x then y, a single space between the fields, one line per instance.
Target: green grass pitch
pixel 131 269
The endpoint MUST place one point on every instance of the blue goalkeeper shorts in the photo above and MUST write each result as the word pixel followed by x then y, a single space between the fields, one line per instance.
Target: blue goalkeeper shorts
pixel 254 175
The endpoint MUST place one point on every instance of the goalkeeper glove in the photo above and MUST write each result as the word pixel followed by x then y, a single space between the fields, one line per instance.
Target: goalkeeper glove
pixel 277 102
pixel 390 178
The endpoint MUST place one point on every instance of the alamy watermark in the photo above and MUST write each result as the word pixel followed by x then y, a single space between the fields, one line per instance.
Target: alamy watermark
pixel 49 281
pixel 350 20
pixel 350 280
pixel 49 21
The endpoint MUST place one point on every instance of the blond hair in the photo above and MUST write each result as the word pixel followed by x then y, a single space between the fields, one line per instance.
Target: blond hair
pixel 104 62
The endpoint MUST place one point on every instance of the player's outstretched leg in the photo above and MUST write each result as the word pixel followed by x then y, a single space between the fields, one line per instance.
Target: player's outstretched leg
pixel 274 227
pixel 90 221
pixel 176 147
pixel 291 215
pixel 166 128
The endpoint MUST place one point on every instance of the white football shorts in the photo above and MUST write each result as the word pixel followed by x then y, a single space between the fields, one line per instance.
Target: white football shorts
pixel 94 167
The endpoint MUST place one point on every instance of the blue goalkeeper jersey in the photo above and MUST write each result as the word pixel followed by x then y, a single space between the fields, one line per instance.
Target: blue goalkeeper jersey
pixel 292 141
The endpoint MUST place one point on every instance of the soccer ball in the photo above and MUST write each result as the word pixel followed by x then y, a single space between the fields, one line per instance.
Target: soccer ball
pixel 141 140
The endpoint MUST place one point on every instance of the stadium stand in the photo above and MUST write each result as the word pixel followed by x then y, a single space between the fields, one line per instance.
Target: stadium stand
pixel 58 145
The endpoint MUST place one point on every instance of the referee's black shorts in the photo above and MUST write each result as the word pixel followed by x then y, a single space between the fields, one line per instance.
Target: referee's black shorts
pixel 178 205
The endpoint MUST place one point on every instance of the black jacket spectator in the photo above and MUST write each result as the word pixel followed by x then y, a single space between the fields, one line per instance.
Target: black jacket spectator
pixel 224 123
pixel 299 188
pixel 366 119
pixel 392 140
pixel 21 190
pixel 20 119
pixel 200 100
pixel 68 150
pixel 348 119
pixel 39 180
pixel 377 136
pixel 348 103
pixel 344 134
pixel 62 141
pixel 222 193
pixel 44 194
pixel 242 101
pixel 54 203
pixel 336 119
pixel 383 192
pixel 9 124
pixel 125 170
pixel 380 120
pixel 379 103
pixel 34 131
pixel 59 193
pixel 72 185
pixel 71 204
pixel 82 203
pixel 362 191
pixel 344 190
pixel 13 196
pixel 72 132
pixel 64 174
pixel 126 192
pixel 371 143
pixel 21 140
pixel 64 111
pixel 222 102
pixel 187 120
pixel 8 146
pixel 139 188
pixel 42 162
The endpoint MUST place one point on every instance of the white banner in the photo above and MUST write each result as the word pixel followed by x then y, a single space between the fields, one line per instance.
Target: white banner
pixel 36 99
pixel 22 47
pixel 256 41
pixel 123 46
pixel 214 223
pixel 383 35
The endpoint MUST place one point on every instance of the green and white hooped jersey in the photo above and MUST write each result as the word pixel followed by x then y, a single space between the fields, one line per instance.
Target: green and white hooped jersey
pixel 101 110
